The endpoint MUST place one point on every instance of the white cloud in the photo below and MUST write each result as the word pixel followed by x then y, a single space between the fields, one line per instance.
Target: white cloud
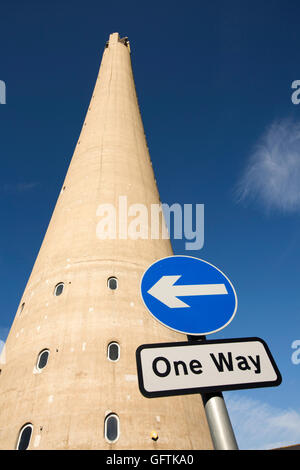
pixel 258 425
pixel 272 176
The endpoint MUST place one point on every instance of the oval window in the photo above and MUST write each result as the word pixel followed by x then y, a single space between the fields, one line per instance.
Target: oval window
pixel 22 308
pixel 24 437
pixel 112 283
pixel 43 359
pixel 59 289
pixel 111 428
pixel 113 351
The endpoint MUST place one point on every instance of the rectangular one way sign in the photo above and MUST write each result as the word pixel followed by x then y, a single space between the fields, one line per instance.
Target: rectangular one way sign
pixel 183 368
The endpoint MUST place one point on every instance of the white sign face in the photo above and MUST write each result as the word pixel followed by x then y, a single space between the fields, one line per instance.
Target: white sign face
pixel 191 367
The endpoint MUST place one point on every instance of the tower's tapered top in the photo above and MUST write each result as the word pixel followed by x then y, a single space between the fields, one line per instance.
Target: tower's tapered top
pixel 111 160
pixel 114 38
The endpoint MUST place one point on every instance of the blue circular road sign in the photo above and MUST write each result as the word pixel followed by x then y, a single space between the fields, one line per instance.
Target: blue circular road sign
pixel 189 295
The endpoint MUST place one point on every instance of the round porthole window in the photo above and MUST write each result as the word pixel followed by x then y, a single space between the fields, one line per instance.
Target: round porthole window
pixel 112 428
pixel 59 289
pixel 42 359
pixel 113 351
pixel 112 283
pixel 24 437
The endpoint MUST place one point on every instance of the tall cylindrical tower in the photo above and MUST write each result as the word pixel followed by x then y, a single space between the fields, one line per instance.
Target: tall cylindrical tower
pixel 70 378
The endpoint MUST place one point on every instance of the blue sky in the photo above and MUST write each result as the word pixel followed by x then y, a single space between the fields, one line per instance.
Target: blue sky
pixel 214 85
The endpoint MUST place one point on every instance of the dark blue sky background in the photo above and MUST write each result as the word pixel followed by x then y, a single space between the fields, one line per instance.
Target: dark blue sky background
pixel 211 77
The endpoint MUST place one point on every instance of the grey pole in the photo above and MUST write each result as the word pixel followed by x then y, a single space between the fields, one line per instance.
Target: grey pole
pixel 219 422
pixel 217 416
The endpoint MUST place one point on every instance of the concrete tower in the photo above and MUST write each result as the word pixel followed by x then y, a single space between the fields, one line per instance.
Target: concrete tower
pixel 58 380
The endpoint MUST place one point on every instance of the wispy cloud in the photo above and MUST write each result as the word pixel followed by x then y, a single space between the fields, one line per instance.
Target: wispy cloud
pixel 258 425
pixel 19 187
pixel 272 176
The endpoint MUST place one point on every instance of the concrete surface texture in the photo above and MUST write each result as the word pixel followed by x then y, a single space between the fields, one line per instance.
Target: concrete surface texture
pixel 67 401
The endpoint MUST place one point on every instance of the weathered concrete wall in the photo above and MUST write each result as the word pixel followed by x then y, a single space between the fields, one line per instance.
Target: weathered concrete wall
pixel 68 401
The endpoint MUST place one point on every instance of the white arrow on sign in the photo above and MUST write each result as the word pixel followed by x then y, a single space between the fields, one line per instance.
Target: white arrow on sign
pixel 165 291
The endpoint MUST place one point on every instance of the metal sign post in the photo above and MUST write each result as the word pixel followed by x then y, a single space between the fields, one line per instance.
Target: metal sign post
pixel 218 421
pixel 217 416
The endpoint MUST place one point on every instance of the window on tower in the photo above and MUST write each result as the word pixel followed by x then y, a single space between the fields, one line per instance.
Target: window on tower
pixel 22 308
pixel 113 351
pixel 42 359
pixel 59 289
pixel 112 283
pixel 24 437
pixel 112 428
